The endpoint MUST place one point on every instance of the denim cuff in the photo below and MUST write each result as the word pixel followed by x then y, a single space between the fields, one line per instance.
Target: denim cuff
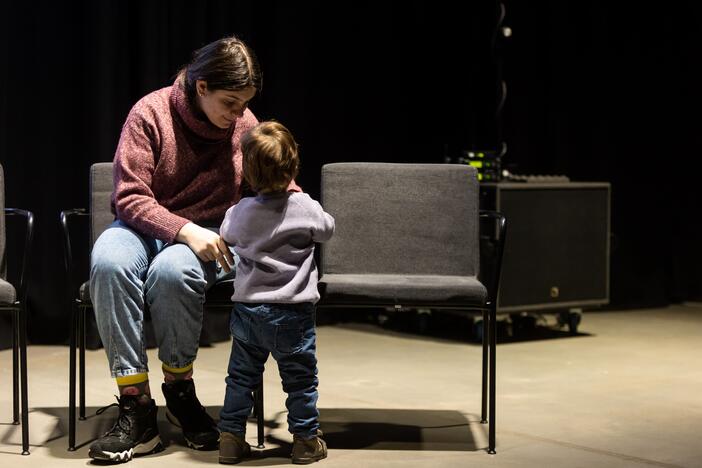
pixel 126 372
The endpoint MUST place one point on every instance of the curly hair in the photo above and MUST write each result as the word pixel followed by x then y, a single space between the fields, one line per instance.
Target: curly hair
pixel 270 154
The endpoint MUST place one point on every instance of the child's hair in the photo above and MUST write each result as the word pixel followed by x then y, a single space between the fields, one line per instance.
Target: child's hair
pixel 270 157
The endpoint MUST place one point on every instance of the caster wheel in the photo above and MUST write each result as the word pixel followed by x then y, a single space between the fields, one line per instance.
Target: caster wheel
pixel 573 322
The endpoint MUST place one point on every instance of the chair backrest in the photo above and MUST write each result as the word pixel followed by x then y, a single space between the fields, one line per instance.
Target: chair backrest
pixel 101 188
pixel 3 260
pixel 401 219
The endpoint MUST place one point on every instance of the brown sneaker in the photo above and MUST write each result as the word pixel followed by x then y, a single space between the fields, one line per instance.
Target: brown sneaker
pixel 306 451
pixel 232 448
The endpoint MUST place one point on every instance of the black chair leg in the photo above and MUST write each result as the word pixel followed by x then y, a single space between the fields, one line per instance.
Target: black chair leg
pixel 23 375
pixel 72 380
pixel 483 406
pixel 81 375
pixel 258 404
pixel 15 366
pixel 493 348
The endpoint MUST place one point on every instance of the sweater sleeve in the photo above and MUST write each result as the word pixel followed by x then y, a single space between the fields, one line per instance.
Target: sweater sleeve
pixel 322 223
pixel 324 227
pixel 227 229
pixel 134 164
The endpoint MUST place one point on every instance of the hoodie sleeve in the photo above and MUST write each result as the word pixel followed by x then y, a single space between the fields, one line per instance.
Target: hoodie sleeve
pixel 322 222
pixel 227 230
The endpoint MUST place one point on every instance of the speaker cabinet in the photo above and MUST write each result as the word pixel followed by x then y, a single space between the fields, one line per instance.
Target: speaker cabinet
pixel 557 249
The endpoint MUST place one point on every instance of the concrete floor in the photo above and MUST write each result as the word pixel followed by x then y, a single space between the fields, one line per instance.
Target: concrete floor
pixel 627 391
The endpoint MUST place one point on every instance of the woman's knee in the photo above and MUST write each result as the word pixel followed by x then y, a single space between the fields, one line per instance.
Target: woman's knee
pixel 176 272
pixel 114 268
pixel 118 253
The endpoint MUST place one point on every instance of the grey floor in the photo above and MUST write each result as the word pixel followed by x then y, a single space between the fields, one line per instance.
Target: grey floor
pixel 627 391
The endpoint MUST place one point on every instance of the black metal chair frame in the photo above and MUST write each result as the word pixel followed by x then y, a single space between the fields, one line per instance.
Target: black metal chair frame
pixel 489 316
pixel 79 309
pixel 19 334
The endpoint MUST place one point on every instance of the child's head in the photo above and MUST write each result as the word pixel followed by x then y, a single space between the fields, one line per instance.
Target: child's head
pixel 270 157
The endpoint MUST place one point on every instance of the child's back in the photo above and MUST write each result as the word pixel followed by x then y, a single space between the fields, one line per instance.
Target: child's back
pixel 274 236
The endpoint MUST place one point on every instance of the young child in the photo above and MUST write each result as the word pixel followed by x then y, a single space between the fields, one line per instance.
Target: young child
pixel 275 292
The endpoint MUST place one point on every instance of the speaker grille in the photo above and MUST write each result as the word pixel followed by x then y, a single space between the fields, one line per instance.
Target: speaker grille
pixel 557 249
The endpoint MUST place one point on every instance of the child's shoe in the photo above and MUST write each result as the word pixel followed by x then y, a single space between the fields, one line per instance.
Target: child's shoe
pixel 232 448
pixel 307 451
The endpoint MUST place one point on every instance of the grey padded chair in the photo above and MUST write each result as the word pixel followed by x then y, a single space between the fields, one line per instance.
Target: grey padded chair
pixel 15 300
pixel 408 235
pixel 100 215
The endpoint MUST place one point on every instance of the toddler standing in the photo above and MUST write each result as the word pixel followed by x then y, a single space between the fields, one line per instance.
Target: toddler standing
pixel 275 292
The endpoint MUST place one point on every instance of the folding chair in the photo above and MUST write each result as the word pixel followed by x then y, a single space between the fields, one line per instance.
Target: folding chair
pixel 15 300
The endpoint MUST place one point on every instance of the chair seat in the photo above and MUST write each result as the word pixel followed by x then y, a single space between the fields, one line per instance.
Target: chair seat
pixel 8 294
pixel 219 293
pixel 458 291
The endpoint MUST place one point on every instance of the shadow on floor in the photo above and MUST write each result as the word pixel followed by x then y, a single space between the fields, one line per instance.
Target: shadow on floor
pixel 398 429
pixel 380 429
pixel 393 429
pixel 344 428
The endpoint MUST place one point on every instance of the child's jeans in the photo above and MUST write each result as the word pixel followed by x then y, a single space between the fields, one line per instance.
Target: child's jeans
pixel 287 332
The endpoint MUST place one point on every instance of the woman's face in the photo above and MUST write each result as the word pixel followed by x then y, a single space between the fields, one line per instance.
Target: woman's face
pixel 223 107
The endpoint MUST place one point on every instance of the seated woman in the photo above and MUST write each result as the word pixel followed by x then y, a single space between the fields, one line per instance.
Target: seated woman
pixel 177 170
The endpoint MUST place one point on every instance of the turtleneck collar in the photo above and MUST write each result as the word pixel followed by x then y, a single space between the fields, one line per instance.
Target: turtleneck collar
pixel 202 128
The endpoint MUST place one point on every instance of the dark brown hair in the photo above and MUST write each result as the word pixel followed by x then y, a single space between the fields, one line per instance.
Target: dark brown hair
pixel 227 63
pixel 270 157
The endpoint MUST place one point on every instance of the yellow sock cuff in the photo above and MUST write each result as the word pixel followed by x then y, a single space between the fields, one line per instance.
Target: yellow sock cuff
pixel 177 370
pixel 132 379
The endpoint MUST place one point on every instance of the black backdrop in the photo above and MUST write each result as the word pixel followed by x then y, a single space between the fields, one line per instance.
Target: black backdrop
pixel 596 91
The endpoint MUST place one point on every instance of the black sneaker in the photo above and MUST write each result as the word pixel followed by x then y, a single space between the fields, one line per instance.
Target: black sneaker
pixel 135 432
pixel 185 411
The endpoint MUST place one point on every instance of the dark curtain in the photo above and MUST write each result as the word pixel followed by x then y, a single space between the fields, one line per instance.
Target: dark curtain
pixel 597 91
pixel 610 91
pixel 353 81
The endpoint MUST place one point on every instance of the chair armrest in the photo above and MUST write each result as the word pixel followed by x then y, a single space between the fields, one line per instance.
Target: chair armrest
pixel 29 235
pixel 66 215
pixel 496 234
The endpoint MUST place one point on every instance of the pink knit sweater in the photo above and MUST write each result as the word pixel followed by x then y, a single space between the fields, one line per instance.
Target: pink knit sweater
pixel 172 167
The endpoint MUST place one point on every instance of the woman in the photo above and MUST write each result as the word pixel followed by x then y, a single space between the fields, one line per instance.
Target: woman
pixel 177 169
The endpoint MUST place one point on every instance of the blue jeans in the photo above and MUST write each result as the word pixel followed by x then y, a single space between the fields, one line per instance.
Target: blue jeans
pixel 287 332
pixel 130 271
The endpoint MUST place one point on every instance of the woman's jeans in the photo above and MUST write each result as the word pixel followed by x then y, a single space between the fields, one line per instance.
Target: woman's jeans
pixel 129 272
pixel 287 332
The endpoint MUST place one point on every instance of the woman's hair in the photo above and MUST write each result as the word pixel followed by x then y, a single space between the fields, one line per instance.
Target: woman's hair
pixel 227 63
pixel 270 157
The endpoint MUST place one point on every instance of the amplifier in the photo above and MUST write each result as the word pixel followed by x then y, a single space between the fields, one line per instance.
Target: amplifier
pixel 557 248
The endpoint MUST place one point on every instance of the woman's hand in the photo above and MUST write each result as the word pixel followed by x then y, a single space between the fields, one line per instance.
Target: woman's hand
pixel 207 245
